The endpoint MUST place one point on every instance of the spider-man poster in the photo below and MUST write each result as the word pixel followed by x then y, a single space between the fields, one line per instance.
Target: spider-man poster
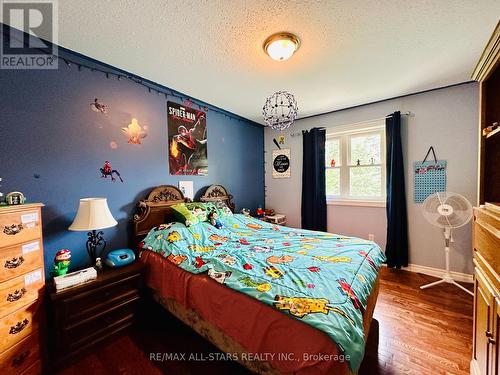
pixel 187 140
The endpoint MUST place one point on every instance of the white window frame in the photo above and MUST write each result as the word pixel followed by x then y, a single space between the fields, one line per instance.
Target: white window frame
pixel 344 134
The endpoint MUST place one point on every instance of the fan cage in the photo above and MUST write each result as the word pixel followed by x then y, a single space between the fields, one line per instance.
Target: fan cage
pixel 461 215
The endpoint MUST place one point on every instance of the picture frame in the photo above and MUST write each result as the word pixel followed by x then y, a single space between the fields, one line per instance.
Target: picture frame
pixel 281 163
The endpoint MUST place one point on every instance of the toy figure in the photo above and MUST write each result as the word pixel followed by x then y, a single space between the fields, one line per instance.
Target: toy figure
pixel 260 212
pixel 246 212
pixel 61 262
pixel 99 107
pixel 269 212
pixel 134 132
pixel 106 171
pixel 214 220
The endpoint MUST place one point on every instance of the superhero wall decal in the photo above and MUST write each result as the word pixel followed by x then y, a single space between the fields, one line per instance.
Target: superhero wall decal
pixel 187 140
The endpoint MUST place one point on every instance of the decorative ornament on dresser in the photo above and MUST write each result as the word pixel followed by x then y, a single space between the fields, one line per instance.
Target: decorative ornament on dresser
pixel 280 110
pixel 61 262
pixel 14 198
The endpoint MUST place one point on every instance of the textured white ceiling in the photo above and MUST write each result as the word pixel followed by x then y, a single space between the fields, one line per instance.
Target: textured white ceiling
pixel 352 51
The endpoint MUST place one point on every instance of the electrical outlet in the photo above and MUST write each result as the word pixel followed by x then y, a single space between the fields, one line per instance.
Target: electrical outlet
pixel 371 237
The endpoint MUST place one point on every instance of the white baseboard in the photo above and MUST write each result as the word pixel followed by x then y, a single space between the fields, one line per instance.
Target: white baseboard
pixel 437 272
pixel 474 368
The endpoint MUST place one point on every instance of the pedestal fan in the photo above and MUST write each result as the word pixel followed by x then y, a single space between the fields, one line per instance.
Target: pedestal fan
pixel 448 211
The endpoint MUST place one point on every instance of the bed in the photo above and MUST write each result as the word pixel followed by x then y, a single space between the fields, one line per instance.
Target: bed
pixel 263 337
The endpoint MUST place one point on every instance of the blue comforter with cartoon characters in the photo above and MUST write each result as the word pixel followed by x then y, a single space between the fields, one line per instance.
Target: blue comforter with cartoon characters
pixel 320 278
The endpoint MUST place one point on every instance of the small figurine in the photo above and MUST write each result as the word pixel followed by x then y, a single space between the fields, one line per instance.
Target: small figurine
pixel 269 212
pixel 358 162
pixel 214 220
pixel 246 212
pixel 332 163
pixel 15 198
pixel 260 212
pixel 98 264
pixel 106 171
pixel 61 262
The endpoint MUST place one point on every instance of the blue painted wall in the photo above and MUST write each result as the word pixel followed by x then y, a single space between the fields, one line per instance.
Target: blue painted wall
pixel 47 129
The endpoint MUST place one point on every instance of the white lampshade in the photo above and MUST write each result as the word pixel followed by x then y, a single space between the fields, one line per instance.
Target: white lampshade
pixel 93 213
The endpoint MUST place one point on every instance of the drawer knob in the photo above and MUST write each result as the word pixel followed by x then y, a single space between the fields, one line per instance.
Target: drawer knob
pixel 18 327
pixel 18 294
pixel 19 359
pixel 14 262
pixel 13 229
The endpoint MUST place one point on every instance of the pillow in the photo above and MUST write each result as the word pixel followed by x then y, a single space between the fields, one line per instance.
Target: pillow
pixel 185 215
pixel 222 209
pixel 198 212
pixel 193 213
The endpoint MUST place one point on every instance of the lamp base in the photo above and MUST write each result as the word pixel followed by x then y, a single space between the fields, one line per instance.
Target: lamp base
pixel 95 245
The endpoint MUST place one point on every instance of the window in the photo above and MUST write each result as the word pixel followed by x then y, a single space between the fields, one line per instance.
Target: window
pixel 355 163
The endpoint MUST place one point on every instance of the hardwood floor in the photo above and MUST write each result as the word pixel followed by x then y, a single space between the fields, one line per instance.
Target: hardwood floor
pixel 420 332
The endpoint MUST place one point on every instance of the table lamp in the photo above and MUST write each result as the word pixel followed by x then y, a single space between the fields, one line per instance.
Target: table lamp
pixel 93 214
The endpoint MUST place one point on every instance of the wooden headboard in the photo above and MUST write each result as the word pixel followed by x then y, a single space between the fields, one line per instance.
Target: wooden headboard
pixel 215 193
pixel 155 209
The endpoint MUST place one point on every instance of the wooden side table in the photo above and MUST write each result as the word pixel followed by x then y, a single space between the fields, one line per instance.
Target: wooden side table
pixel 87 314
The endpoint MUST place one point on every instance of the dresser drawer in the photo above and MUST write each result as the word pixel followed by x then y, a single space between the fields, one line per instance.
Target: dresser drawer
pixel 19 259
pixel 94 301
pixel 34 369
pixel 20 226
pixel 77 335
pixel 18 325
pixel 21 356
pixel 20 291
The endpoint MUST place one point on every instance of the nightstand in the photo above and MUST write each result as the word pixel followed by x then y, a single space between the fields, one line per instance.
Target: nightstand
pixel 98 310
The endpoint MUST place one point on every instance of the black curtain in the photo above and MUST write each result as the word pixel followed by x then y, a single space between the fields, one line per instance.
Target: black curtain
pixel 313 180
pixel 396 249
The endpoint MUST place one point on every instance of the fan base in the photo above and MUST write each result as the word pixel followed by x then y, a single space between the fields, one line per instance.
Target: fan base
pixel 447 279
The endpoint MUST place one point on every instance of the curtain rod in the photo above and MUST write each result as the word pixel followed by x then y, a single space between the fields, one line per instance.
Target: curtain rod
pixel 409 114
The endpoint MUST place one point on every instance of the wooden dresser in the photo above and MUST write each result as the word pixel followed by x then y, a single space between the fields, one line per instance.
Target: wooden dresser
pixel 486 237
pixel 21 289
pixel 486 339
pixel 87 314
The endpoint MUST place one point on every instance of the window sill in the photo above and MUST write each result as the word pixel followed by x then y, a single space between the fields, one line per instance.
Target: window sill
pixel 356 203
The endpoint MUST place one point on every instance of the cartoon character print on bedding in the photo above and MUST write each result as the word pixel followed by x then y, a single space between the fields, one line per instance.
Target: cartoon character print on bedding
pixel 320 278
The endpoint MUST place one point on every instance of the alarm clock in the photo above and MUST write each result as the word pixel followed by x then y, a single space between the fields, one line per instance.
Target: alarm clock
pixel 119 257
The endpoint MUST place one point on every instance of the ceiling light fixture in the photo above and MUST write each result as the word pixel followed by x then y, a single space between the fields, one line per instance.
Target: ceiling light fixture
pixel 280 110
pixel 281 46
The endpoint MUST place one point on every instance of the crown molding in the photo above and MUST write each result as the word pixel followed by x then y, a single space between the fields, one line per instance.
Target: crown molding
pixel 489 58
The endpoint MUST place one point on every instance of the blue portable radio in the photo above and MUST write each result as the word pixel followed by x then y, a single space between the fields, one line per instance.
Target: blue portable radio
pixel 120 257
